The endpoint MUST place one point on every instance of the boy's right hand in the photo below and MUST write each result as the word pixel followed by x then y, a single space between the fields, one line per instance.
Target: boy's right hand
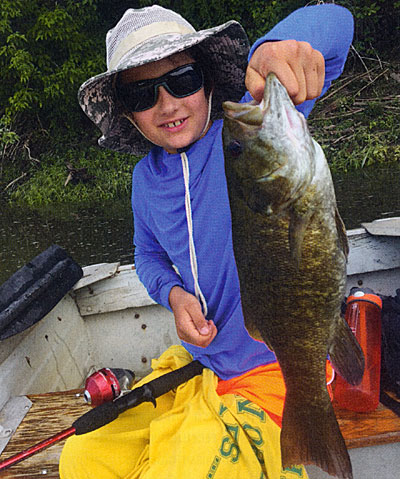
pixel 191 325
pixel 299 67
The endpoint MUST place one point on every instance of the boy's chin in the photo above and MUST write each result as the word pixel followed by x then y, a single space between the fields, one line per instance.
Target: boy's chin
pixel 185 145
pixel 180 147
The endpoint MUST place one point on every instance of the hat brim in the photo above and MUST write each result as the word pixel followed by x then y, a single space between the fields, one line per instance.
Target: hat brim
pixel 226 47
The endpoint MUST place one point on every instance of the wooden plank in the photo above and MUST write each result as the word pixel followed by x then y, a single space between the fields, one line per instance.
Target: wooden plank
pixel 381 426
pixel 49 414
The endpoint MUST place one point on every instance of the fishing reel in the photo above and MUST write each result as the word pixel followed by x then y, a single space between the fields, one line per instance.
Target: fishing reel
pixel 107 384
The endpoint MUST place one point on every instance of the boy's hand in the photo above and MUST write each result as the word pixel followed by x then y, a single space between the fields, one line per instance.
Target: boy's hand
pixel 299 67
pixel 191 325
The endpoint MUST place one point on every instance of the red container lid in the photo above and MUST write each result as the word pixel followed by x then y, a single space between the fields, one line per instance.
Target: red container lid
pixel 368 297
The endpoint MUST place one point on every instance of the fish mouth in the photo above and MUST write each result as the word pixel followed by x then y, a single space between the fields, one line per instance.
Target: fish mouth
pixel 272 174
pixel 247 113
pixel 255 114
pixel 269 177
pixel 266 120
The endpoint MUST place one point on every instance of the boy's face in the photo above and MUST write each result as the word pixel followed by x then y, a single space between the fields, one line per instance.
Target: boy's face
pixel 172 122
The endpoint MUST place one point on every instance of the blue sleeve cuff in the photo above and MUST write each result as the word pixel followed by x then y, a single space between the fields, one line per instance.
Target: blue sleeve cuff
pixel 164 293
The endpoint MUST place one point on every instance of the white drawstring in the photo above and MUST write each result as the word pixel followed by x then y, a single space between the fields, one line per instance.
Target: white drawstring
pixel 188 207
pixel 192 250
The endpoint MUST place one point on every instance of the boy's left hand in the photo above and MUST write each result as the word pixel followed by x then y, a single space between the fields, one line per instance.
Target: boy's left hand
pixel 299 67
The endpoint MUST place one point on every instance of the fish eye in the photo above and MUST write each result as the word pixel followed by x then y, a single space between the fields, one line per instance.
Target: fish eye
pixel 235 148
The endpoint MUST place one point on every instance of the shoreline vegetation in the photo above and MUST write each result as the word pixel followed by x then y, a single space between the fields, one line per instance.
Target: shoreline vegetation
pixel 358 121
pixel 48 148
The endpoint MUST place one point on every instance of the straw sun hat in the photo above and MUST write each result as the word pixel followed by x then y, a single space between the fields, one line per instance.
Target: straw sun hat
pixel 149 34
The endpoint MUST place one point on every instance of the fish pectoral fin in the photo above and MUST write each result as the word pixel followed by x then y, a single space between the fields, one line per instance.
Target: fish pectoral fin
pixel 342 236
pixel 346 354
pixel 297 229
pixel 267 343
pixel 254 332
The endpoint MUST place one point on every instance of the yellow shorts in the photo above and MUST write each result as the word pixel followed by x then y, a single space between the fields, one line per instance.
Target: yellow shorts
pixel 206 429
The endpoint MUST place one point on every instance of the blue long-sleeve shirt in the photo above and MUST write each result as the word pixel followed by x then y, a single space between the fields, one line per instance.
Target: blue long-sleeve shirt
pixel 158 202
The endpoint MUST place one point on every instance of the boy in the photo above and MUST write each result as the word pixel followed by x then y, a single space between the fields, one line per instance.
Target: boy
pixel 163 90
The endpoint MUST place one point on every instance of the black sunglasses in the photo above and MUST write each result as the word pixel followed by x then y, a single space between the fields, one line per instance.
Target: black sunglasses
pixel 142 95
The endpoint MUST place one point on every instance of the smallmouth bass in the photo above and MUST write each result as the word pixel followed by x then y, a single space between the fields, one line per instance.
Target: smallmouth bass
pixel 291 249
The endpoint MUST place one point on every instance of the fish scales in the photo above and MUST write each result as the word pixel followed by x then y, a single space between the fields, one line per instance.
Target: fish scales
pixel 291 248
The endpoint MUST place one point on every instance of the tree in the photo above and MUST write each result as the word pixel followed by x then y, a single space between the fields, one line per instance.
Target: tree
pixel 48 49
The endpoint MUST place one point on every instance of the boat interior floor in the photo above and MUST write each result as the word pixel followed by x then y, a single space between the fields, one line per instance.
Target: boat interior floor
pixel 53 412
pixel 49 414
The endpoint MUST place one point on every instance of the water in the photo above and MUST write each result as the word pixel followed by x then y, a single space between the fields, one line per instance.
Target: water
pixel 104 233
pixel 368 194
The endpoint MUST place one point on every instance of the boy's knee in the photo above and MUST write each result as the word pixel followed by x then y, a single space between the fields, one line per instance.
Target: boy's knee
pixel 75 459
pixel 70 460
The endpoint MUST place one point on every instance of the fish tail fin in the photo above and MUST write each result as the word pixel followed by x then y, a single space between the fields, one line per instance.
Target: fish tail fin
pixel 346 354
pixel 311 435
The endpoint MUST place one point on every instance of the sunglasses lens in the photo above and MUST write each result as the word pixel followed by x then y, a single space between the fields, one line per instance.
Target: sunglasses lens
pixel 186 81
pixel 137 98
pixel 181 82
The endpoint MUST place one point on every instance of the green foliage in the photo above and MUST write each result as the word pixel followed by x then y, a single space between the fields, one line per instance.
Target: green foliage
pixel 109 177
pixel 7 137
pixel 8 140
pixel 47 52
pixel 358 123
pixel 368 146
pixel 377 21
pixel 377 25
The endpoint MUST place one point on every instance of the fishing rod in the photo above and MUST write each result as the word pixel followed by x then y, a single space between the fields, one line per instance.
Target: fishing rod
pixel 109 411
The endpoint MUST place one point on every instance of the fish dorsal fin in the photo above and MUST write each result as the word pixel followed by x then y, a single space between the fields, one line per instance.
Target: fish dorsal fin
pixel 342 236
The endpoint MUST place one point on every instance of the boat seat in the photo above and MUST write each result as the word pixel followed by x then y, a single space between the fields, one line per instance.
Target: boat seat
pixel 54 412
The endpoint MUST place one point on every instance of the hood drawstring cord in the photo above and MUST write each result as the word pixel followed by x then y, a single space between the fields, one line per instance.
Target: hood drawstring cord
pixel 188 207
pixel 192 250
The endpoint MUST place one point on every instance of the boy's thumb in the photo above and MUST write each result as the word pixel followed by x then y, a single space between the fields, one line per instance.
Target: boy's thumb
pixel 205 330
